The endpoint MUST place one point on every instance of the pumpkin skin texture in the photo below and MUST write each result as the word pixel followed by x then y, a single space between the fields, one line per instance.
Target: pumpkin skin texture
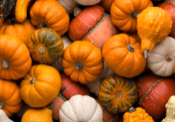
pixel 45 45
pixel 154 92
pixel 21 30
pixel 137 115
pixel 14 57
pixel 82 61
pixel 117 94
pixel 81 109
pixel 106 4
pixel 50 14
pixel 87 2
pixel 92 24
pixel 153 29
pixel 124 13
pixel 39 115
pixel 122 54
pixel 44 83
pixel 10 99
pixel 162 57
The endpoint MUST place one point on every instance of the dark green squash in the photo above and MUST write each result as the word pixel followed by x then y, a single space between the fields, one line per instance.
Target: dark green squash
pixel 117 94
pixel 45 45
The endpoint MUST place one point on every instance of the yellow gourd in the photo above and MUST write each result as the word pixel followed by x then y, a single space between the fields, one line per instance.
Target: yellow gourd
pixel 153 25
pixel 137 115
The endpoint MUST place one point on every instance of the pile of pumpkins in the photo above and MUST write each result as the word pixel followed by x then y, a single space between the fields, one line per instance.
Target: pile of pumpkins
pixel 87 60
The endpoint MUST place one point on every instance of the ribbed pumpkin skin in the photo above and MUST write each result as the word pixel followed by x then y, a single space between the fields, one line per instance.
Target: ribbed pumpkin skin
pixel 117 94
pixel 45 45
pixel 52 14
pixel 122 10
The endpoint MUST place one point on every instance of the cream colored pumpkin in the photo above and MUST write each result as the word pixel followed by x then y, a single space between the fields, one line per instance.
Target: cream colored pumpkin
pixel 81 109
pixel 87 2
pixel 162 57
pixel 4 117
pixel 69 5
pixel 67 41
pixel 94 86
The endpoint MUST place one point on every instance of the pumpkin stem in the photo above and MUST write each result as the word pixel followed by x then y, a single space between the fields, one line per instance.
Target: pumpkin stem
pixel 5 64
pixel 42 24
pixel 168 57
pixel 77 11
pixel 32 80
pixel 1 104
pixel 130 48
pixel 145 53
pixel 118 94
pixel 134 14
pixel 12 21
pixel 132 109
pixel 41 50
pixel 79 66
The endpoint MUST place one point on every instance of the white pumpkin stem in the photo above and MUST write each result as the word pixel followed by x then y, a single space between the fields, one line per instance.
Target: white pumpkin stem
pixel 79 66
pixel 32 80
pixel 168 57
pixel 1 104
pixel 41 50
pixel 145 53
pixel 5 64
pixel 77 11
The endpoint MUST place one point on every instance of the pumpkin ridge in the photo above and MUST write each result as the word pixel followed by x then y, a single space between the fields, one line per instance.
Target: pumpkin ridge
pixel 119 7
pixel 73 109
pixel 37 91
pixel 95 110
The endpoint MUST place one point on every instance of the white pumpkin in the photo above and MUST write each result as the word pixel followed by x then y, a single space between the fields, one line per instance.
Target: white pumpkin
pixel 94 86
pixel 87 2
pixel 161 59
pixel 4 117
pixel 81 109
pixel 69 5
pixel 67 41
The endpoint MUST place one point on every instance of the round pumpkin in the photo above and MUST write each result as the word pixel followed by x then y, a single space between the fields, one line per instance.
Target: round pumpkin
pixel 21 30
pixel 82 61
pixel 40 86
pixel 87 2
pixel 124 13
pixel 122 53
pixel 106 4
pixel 10 99
pixel 14 57
pixel 92 24
pixel 117 94
pixel 154 92
pixel 51 14
pixel 45 45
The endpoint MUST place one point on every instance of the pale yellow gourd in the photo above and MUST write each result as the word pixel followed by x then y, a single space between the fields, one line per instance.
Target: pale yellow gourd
pixel 4 117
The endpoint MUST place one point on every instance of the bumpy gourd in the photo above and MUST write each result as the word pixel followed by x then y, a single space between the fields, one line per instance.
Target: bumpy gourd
pixel 153 25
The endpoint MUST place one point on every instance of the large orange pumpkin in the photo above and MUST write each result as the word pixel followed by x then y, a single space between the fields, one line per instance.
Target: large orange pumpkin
pixel 122 53
pixel 82 61
pixel 15 60
pixel 10 99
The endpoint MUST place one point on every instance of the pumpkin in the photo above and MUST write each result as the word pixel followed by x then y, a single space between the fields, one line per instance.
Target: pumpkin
pixel 40 115
pixel 154 92
pixel 44 83
pixel 82 61
pixel 162 57
pixel 14 57
pixel 4 117
pixel 21 30
pixel 117 94
pixel 51 14
pixel 106 4
pixel 124 13
pixel 45 45
pixel 94 85
pixel 69 5
pixel 87 2
pixel 66 41
pixel 137 115
pixel 10 99
pixel 81 109
pixel 170 110
pixel 153 29
pixel 92 24
pixel 122 54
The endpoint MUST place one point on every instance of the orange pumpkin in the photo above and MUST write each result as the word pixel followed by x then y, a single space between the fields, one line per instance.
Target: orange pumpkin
pixel 21 30
pixel 10 99
pixel 82 61
pixel 51 14
pixel 40 86
pixel 124 13
pixel 14 57
pixel 122 53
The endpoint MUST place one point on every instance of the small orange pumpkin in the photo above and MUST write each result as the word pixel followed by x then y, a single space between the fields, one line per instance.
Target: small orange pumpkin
pixel 10 99
pixel 82 61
